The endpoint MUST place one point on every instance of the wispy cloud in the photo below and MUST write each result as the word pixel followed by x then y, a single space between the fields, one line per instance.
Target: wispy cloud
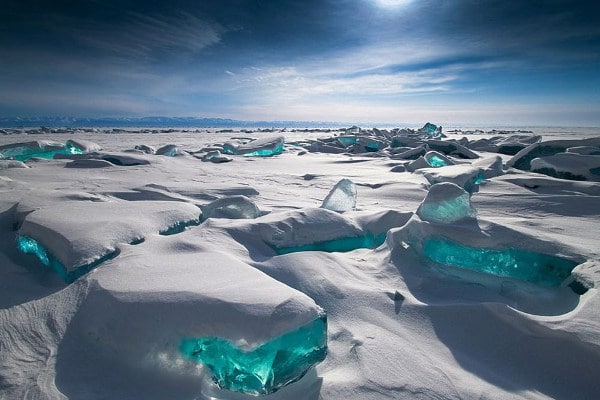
pixel 149 35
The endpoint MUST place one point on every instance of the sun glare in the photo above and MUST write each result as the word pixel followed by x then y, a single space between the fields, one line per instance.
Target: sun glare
pixel 391 3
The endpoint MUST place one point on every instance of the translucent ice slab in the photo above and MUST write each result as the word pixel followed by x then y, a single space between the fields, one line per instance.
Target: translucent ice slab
pixel 340 245
pixel 266 368
pixel 538 268
pixel 29 245
pixel 342 197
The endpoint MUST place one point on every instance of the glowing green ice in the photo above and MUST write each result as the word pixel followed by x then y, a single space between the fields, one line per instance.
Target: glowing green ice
pixel 266 368
pixel 341 245
pixel 29 245
pixel 436 162
pixel 266 152
pixel 24 153
pixel 541 269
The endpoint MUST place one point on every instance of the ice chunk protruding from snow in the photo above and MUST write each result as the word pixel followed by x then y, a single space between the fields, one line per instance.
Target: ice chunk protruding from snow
pixel 266 368
pixel 169 150
pixel 263 147
pixel 234 207
pixel 431 130
pixel 341 245
pixel 446 203
pixel 541 269
pixel 39 148
pixel 342 197
pixel 437 160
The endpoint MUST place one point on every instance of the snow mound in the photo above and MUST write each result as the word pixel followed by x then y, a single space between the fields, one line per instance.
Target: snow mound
pixel 522 160
pixel 5 164
pixel 154 311
pixel 84 146
pixel 79 233
pixel 571 166
pixel 525 272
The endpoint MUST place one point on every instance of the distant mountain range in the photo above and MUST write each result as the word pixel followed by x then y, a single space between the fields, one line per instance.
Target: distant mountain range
pixel 158 122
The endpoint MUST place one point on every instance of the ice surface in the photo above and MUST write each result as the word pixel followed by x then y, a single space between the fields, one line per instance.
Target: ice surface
pixel 342 197
pixel 266 368
pixel 541 269
pixel 446 203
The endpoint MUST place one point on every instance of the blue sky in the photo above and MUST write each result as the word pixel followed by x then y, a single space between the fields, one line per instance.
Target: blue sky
pixel 479 62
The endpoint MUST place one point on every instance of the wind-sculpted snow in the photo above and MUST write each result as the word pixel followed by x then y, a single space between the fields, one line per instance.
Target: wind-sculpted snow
pixel 193 280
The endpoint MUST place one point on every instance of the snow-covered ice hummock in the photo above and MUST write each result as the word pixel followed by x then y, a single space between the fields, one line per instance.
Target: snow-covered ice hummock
pixel 40 148
pixel 342 197
pixel 251 333
pixel 263 147
pixel 73 237
pixel 568 165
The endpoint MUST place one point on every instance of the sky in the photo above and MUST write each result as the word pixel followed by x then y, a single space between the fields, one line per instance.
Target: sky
pixel 388 61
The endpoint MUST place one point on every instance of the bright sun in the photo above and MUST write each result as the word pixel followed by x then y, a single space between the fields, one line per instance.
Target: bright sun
pixel 391 3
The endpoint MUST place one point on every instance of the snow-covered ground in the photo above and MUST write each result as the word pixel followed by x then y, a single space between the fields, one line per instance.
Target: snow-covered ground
pixel 152 250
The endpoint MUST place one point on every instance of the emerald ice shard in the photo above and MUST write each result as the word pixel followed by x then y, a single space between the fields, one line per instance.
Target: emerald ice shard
pixel 341 245
pixel 28 245
pixel 263 369
pixel 541 269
